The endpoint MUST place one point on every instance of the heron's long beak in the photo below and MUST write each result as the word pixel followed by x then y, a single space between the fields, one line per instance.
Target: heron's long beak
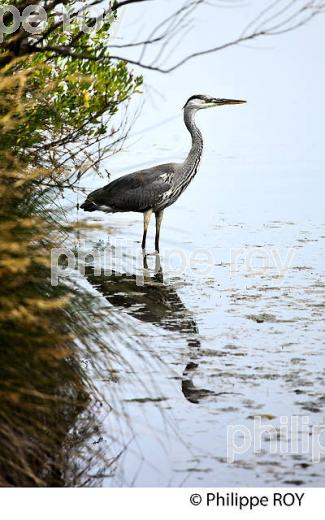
pixel 229 101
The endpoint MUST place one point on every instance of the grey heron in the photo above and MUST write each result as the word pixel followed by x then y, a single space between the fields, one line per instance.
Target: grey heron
pixel 153 189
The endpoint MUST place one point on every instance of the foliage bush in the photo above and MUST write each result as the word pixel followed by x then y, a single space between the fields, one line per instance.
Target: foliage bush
pixel 52 108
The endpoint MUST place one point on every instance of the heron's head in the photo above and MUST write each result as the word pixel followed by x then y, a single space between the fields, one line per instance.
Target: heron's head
pixel 199 101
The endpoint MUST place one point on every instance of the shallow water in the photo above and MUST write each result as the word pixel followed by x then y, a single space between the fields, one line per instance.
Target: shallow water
pixel 230 327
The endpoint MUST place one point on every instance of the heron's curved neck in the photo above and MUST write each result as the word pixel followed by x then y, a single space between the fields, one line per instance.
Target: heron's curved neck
pixel 195 153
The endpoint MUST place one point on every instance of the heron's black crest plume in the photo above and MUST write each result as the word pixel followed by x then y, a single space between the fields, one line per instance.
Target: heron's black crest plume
pixel 197 96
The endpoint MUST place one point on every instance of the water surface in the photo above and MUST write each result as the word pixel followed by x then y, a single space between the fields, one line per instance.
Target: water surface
pixel 236 332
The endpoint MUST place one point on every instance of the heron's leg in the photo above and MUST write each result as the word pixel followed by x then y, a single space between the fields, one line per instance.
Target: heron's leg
pixel 146 220
pixel 159 274
pixel 145 262
pixel 159 217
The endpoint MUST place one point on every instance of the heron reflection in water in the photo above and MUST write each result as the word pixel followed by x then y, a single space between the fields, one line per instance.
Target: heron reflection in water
pixel 157 303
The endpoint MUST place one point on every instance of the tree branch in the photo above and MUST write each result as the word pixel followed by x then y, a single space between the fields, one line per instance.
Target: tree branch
pixel 118 5
pixel 279 17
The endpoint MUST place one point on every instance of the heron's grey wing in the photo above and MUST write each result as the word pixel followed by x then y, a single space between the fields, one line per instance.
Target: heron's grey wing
pixel 137 191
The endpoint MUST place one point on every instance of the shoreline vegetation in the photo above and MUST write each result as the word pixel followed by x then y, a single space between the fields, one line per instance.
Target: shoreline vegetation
pixel 55 114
